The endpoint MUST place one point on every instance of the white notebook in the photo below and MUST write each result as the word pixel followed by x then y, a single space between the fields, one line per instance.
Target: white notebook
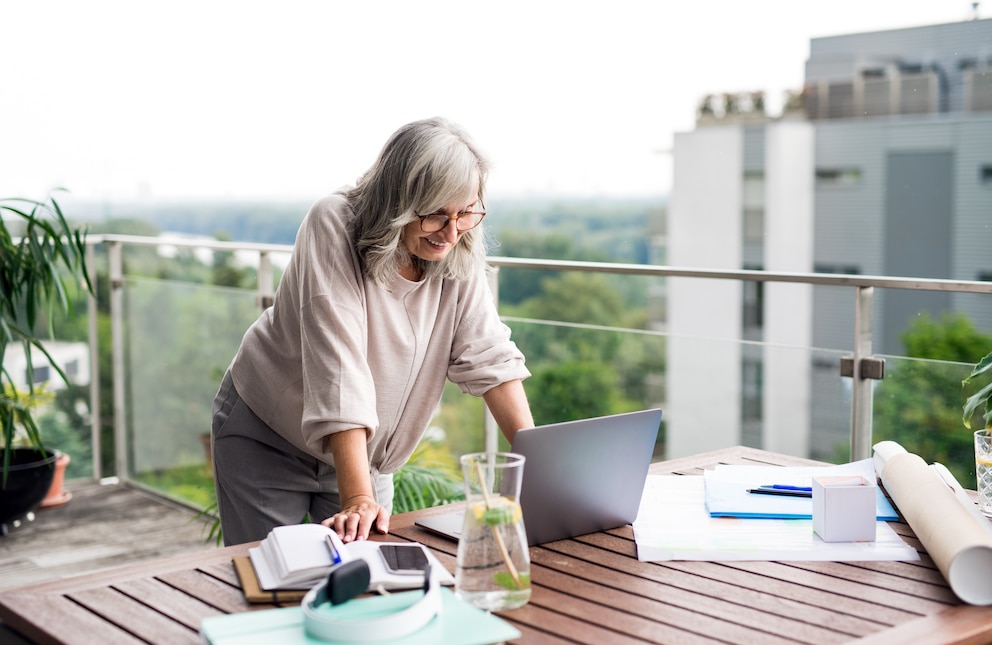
pixel 298 556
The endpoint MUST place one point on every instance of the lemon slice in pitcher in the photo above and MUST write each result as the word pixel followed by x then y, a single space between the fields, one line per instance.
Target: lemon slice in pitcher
pixel 502 511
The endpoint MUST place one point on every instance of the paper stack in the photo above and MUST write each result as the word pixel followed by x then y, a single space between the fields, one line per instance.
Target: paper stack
pixel 298 556
pixel 294 557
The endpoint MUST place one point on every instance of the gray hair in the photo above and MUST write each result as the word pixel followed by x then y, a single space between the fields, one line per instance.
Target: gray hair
pixel 424 166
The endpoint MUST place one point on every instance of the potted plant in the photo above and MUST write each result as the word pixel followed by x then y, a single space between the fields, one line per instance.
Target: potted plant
pixel 39 254
pixel 981 400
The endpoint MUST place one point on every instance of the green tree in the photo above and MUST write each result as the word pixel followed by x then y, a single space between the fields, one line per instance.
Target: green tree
pixel 581 299
pixel 226 272
pixel 575 390
pixel 919 402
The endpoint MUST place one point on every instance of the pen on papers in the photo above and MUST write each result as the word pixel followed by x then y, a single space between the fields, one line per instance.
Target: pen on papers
pixel 784 492
pixel 787 487
pixel 335 555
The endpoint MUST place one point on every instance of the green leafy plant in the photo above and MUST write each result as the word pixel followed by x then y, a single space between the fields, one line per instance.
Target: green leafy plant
pixel 38 251
pixel 981 399
pixel 426 480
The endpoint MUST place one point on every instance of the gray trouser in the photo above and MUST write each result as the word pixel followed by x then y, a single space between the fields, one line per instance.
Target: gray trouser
pixel 262 480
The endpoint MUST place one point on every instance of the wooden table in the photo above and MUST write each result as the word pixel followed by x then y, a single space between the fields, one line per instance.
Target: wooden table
pixel 590 589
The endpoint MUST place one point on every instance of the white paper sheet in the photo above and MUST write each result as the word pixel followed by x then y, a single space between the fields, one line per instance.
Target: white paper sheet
pixel 673 524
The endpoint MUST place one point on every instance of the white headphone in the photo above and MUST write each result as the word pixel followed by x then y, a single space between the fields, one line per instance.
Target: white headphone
pixel 325 626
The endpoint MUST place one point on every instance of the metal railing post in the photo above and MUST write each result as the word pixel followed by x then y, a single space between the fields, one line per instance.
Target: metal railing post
pixel 489 427
pixel 94 340
pixel 265 294
pixel 861 393
pixel 115 250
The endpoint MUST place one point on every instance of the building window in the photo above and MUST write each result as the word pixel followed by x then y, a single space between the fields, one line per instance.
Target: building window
pixel 71 369
pixel 838 177
pixel 752 384
pixel 877 97
pixel 840 101
pixel 753 301
pixel 754 225
pixel 978 89
pixel 41 374
pixel 917 93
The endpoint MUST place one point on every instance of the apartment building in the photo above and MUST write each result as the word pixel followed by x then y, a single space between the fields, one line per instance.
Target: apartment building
pixel 882 165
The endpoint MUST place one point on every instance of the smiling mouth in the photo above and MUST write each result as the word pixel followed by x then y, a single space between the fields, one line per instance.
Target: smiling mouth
pixel 437 245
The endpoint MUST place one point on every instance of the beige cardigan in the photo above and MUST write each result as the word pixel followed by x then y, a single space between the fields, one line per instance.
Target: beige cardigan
pixel 337 352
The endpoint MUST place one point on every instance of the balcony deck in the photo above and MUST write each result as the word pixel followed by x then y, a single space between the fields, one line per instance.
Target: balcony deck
pixel 102 526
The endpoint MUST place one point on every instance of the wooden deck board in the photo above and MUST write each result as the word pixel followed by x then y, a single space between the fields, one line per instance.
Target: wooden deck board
pixel 102 526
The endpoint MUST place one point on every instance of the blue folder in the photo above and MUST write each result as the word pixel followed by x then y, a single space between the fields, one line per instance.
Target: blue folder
pixel 728 497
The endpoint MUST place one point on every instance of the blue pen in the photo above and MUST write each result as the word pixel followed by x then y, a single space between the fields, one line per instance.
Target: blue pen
pixel 786 487
pixel 335 555
pixel 780 491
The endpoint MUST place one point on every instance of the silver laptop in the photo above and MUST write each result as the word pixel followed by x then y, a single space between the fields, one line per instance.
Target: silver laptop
pixel 579 476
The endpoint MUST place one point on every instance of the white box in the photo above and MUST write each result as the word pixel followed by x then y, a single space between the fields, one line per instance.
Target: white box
pixel 844 509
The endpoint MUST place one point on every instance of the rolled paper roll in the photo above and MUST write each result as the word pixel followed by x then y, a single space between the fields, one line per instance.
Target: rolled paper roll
pixel 959 545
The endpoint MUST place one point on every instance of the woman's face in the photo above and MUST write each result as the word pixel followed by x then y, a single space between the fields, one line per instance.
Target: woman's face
pixel 435 246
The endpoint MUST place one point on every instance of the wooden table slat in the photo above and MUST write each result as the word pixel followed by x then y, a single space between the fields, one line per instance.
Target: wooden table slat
pixel 961 625
pixel 48 618
pixel 224 597
pixel 135 617
pixel 223 572
pixel 181 607
pixel 744 580
pixel 935 590
pixel 715 619
pixel 840 587
pixel 922 570
pixel 538 617
pixel 724 602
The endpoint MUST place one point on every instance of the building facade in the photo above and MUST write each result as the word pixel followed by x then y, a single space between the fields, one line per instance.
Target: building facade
pixel 881 166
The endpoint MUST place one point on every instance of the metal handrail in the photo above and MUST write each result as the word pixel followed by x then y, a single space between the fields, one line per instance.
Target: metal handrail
pixel 864 285
pixel 830 279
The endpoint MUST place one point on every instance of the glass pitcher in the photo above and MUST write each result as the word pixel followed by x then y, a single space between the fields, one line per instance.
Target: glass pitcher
pixel 493 567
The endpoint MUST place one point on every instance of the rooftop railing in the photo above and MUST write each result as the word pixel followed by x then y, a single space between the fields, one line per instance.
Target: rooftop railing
pixel 154 380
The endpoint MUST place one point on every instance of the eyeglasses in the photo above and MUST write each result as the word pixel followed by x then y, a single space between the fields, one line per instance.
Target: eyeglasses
pixel 463 221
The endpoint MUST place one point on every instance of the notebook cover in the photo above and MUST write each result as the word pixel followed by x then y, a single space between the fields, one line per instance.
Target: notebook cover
pixel 254 593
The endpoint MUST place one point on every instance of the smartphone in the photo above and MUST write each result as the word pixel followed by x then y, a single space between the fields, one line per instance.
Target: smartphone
pixel 404 558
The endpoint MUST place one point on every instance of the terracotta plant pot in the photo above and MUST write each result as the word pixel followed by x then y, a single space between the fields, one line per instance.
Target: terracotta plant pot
pixel 57 496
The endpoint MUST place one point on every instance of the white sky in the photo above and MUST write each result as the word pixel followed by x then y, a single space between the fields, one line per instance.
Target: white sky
pixel 291 99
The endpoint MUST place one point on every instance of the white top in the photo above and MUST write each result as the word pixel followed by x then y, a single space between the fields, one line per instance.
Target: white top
pixel 336 351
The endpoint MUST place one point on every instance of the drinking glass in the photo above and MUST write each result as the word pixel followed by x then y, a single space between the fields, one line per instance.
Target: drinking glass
pixel 493 567
pixel 983 470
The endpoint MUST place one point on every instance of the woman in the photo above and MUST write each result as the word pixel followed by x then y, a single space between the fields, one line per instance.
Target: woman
pixel 385 297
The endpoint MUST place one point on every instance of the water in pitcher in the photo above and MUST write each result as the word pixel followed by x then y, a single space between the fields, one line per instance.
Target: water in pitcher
pixel 493 566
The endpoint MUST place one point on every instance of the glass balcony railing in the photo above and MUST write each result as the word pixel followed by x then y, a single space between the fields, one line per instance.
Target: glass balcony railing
pixel 170 342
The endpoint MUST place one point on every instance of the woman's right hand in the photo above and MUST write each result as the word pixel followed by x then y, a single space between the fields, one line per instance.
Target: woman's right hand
pixel 358 515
